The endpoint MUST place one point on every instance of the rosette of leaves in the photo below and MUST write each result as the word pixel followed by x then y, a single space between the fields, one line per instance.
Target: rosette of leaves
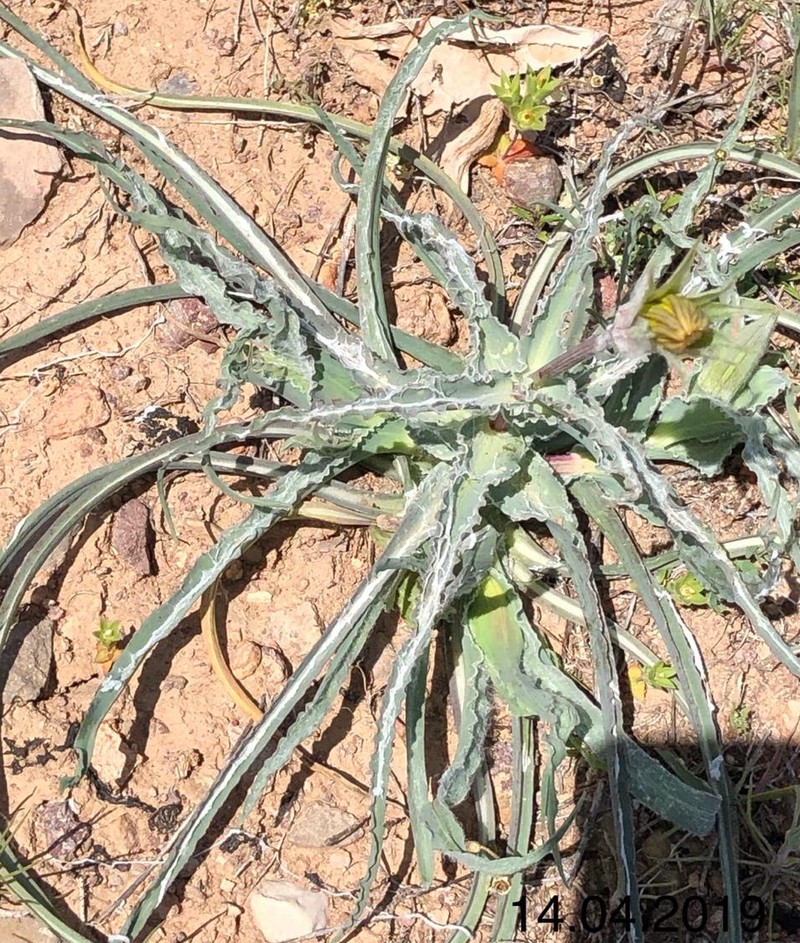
pixel 524 97
pixel 490 461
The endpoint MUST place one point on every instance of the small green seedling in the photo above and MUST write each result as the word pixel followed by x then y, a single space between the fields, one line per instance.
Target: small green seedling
pixel 741 719
pixel 685 588
pixel 109 641
pixel 310 9
pixel 525 103
pixel 660 675
pixel 634 233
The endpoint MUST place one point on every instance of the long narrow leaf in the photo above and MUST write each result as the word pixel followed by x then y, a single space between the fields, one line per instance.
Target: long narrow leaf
pixel 115 303
pixel 346 630
pixel 302 480
pixel 371 300
pixel 687 659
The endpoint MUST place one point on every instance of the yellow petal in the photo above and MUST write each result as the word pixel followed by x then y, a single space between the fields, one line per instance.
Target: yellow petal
pixel 637 683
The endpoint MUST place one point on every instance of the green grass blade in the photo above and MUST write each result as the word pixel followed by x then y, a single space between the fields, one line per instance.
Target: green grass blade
pixel 696 192
pixel 437 586
pixel 560 520
pixel 699 150
pixel 496 624
pixel 763 441
pixel 481 885
pixel 493 346
pixel 352 638
pixel 763 250
pixel 115 303
pixel 347 631
pixel 36 39
pixel 793 122
pixel 568 297
pixel 14 878
pixel 391 207
pixel 514 864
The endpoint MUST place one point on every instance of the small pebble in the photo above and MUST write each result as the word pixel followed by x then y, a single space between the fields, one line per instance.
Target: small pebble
pixel 60 829
pixel 319 825
pixel 133 537
pixel 531 180
pixel 120 371
pixel 283 911
pixel 178 84
pixel 245 659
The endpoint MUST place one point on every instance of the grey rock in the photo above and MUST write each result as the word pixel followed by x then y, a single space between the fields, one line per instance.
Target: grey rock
pixel 531 180
pixel 132 536
pixel 28 660
pixel 283 911
pixel 28 162
pixel 319 826
pixel 61 829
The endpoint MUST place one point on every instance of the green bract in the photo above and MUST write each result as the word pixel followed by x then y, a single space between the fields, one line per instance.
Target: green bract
pixel 661 676
pixel 687 590
pixel 493 466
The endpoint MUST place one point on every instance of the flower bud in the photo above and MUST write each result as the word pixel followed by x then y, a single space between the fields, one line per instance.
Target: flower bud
pixel 675 321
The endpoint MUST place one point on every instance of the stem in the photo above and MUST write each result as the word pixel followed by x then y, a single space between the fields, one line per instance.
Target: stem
pixel 587 348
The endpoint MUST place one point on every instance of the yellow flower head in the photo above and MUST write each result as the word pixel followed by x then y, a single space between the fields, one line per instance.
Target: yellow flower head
pixel 660 317
pixel 676 322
